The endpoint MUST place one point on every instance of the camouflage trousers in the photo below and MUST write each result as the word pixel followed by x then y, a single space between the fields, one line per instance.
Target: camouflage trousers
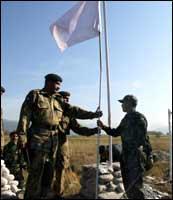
pixel 39 154
pixel 132 171
pixel 62 164
pixel 57 172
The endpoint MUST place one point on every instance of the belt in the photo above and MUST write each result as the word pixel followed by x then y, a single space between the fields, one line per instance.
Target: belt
pixel 47 127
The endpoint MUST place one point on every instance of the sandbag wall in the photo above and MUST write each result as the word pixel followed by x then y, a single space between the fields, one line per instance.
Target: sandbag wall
pixel 9 185
pixel 110 182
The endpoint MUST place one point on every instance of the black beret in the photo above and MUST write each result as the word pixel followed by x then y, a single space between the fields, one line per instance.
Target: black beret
pixel 53 77
pixel 2 89
pixel 64 93
pixel 130 98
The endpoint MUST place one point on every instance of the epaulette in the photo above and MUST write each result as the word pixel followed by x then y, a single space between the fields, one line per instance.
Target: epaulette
pixel 58 94
pixel 32 95
pixel 35 91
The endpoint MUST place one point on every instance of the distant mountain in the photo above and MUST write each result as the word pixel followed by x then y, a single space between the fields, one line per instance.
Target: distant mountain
pixel 9 125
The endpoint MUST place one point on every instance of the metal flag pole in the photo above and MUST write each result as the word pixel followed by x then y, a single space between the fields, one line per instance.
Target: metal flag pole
pixel 170 135
pixel 108 82
pixel 100 92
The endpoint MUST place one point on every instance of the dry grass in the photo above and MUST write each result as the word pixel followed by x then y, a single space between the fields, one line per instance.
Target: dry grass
pixel 83 151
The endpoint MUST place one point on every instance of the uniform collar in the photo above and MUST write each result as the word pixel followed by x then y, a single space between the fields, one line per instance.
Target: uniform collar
pixel 56 94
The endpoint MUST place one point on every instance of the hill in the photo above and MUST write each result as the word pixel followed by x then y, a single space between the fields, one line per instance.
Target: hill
pixel 9 125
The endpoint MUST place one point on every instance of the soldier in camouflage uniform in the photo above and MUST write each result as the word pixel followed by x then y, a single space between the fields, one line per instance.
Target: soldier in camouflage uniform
pixel 14 158
pixel 40 116
pixel 136 148
pixel 2 128
pixel 63 157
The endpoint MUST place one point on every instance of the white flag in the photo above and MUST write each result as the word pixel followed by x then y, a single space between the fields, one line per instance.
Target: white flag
pixel 78 24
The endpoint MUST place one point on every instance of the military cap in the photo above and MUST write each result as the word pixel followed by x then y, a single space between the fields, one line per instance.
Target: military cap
pixel 130 98
pixel 64 93
pixel 53 77
pixel 2 89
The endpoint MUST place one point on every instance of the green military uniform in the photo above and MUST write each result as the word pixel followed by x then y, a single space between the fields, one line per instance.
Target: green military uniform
pixel 133 132
pixel 40 116
pixel 63 156
pixel 14 160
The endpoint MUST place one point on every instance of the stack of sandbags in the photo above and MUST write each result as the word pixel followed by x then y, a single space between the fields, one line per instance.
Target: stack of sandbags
pixel 110 184
pixel 9 187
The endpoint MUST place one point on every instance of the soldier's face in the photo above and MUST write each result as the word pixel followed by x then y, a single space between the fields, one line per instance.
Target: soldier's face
pixel 126 106
pixel 66 99
pixel 53 86
pixel 14 137
pixel 57 86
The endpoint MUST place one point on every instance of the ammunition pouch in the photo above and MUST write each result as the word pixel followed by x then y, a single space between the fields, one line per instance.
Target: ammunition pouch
pixel 146 160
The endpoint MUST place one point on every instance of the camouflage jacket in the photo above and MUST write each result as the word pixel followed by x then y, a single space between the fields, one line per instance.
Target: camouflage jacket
pixel 68 123
pixel 39 108
pixel 133 132
pixel 13 156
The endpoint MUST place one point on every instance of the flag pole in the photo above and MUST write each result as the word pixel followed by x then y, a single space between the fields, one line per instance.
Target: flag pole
pixel 100 92
pixel 108 82
pixel 170 135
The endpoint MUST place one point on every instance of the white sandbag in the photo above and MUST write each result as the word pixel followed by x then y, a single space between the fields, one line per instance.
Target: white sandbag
pixel 5 188
pixel 14 182
pixel 10 177
pixel 2 162
pixel 15 189
pixel 5 172
pixel 2 165
pixel 9 193
pixel 4 181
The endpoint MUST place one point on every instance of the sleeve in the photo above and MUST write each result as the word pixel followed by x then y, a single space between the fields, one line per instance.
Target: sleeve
pixel 143 136
pixel 7 154
pixel 76 112
pixel 26 113
pixel 115 132
pixel 81 130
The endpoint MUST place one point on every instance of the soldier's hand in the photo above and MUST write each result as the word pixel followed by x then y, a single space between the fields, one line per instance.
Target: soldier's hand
pixel 100 123
pixel 98 114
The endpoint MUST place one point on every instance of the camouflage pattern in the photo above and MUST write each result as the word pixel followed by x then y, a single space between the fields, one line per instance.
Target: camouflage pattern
pixel 44 112
pixel 2 134
pixel 15 162
pixel 135 149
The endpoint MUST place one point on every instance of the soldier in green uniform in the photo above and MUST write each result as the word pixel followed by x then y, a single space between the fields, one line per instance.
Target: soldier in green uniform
pixel 14 158
pixel 136 148
pixel 2 128
pixel 63 156
pixel 40 116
